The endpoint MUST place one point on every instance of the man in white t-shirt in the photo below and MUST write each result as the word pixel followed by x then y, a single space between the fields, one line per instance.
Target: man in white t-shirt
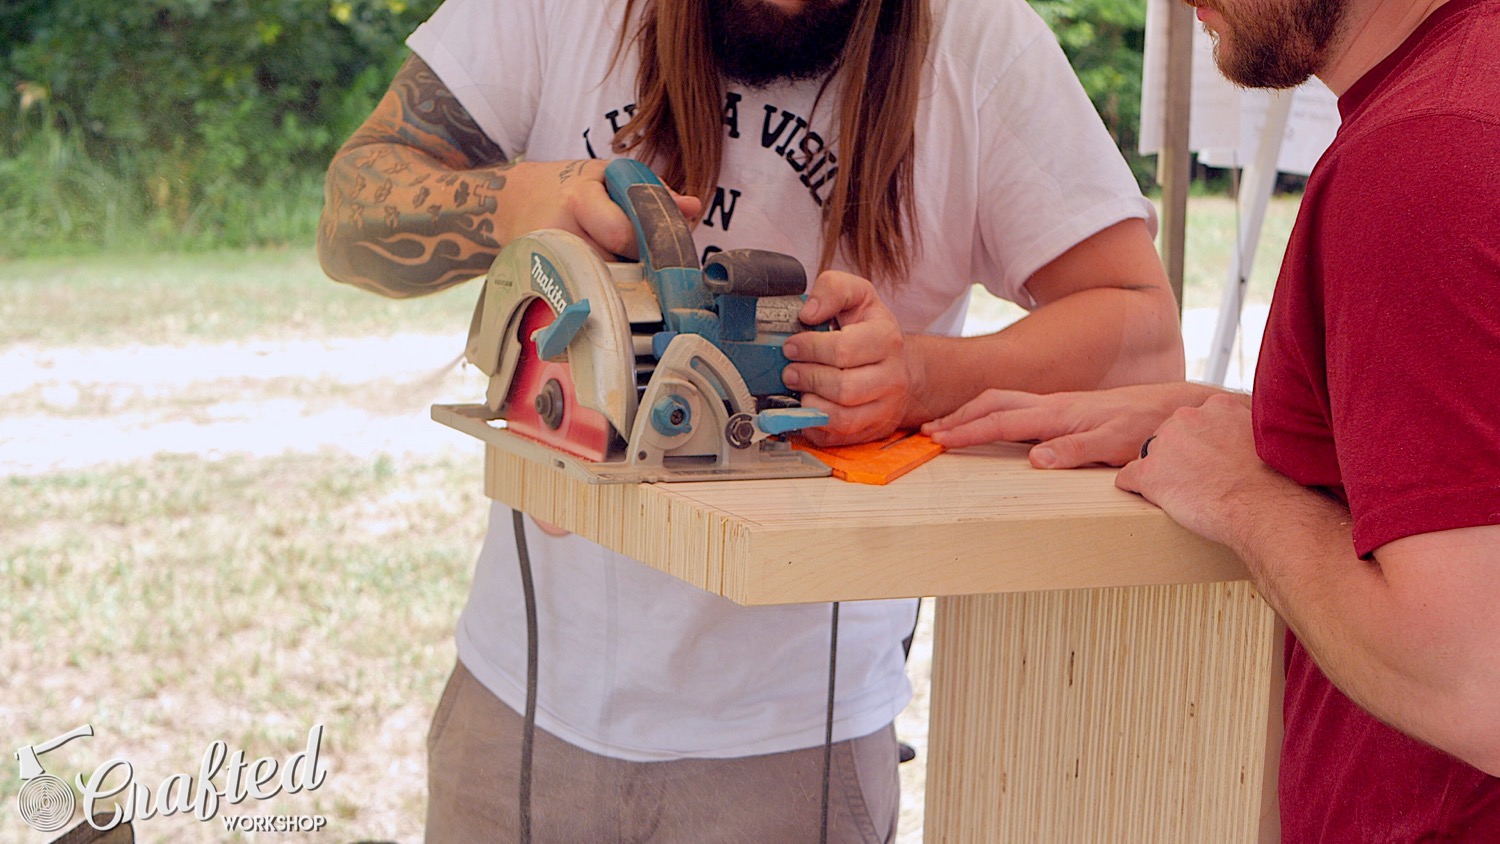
pixel 907 149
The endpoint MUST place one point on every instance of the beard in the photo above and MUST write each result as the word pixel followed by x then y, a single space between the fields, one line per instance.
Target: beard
pixel 756 43
pixel 1277 44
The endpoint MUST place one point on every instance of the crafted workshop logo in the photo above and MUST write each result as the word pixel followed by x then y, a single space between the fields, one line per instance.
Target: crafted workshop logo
pixel 46 803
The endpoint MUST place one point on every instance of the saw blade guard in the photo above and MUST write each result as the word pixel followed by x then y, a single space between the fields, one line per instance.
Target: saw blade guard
pixel 563 271
pixel 686 410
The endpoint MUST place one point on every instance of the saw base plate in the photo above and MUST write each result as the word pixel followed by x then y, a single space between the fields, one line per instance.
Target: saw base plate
pixel 478 421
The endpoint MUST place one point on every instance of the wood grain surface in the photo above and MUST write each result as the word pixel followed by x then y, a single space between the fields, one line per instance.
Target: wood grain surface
pixel 969 522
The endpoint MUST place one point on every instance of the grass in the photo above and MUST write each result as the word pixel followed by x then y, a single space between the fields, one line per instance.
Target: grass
pixel 282 294
pixel 180 599
pixel 277 294
pixel 63 193
pixel 1210 245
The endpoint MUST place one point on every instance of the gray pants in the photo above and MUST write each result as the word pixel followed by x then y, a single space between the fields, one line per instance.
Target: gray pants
pixel 473 760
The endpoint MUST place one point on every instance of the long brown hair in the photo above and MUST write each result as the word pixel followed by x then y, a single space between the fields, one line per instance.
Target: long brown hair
pixel 678 124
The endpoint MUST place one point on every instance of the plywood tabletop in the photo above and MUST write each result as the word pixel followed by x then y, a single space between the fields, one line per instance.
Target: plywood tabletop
pixel 974 521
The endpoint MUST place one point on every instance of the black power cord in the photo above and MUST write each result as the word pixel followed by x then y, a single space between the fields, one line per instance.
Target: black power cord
pixel 833 664
pixel 528 728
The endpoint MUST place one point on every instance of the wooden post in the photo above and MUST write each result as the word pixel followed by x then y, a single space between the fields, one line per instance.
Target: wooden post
pixel 1173 163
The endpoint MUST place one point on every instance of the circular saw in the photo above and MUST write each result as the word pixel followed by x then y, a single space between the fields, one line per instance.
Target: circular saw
pixel 657 370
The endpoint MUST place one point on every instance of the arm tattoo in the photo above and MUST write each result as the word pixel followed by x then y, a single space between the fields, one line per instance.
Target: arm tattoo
pixel 409 198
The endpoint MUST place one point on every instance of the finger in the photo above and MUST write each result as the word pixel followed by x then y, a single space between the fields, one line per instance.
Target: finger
pixel 1023 425
pixel 845 387
pixel 860 344
pixel 826 438
pixel 837 294
pixel 987 402
pixel 1225 404
pixel 1129 477
pixel 846 425
pixel 1000 426
pixel 549 528
pixel 690 206
pixel 1070 451
pixel 986 429
pixel 602 222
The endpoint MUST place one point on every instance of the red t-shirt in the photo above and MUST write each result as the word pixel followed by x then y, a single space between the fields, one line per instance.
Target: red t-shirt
pixel 1379 381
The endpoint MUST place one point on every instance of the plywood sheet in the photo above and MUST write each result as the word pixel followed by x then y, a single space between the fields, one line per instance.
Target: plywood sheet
pixel 1103 715
pixel 968 522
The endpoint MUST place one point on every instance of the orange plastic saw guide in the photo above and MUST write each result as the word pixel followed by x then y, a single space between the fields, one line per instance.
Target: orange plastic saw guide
pixel 877 462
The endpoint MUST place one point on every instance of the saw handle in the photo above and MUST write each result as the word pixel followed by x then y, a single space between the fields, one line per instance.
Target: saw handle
pixel 662 235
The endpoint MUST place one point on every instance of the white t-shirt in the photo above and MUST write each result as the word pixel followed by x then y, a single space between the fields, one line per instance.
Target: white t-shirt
pixel 1013 167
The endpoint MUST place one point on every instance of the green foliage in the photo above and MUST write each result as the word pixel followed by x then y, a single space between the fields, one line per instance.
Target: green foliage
pixel 1105 41
pixel 194 123
pixel 183 122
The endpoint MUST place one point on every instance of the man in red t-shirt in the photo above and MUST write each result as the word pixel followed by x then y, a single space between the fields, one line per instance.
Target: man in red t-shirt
pixel 1361 483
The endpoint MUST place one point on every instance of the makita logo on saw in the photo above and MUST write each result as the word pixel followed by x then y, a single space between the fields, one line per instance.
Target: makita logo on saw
pixel 544 279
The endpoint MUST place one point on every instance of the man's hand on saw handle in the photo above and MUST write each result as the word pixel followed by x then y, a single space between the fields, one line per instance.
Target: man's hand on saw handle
pixel 857 374
pixel 570 195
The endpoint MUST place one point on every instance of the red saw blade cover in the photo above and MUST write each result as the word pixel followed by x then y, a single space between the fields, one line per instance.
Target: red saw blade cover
pixel 583 431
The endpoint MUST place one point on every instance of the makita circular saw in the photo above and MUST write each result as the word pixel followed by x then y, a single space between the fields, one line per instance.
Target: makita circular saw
pixel 662 370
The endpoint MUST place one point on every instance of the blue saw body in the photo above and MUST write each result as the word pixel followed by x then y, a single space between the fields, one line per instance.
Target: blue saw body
pixel 689 302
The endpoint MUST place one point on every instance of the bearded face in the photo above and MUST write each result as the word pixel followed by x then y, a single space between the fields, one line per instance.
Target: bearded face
pixel 1271 43
pixel 759 42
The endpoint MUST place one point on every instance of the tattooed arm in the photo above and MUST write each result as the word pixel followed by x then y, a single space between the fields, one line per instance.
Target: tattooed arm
pixel 410 200
pixel 420 199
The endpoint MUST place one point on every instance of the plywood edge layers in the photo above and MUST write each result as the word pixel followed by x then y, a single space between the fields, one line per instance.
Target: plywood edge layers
pixel 833 562
pixel 1118 715
pixel 696 544
pixel 752 562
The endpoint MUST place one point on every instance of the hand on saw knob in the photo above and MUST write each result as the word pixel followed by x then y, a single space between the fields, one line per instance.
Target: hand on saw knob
pixel 857 374
pixel 570 195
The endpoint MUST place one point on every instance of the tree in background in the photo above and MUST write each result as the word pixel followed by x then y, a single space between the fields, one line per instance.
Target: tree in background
pixel 183 123
pixel 1105 42
pixel 210 119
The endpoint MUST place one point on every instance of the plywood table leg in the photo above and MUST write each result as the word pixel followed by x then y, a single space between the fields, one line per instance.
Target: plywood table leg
pixel 1270 802
pixel 1106 715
